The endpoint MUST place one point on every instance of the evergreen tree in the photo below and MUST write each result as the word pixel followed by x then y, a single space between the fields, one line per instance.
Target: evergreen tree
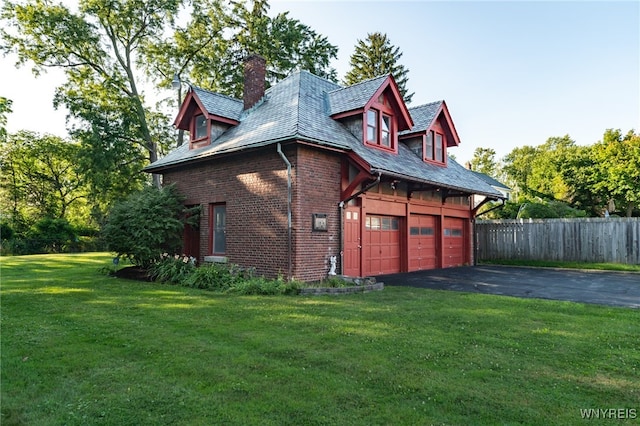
pixel 376 56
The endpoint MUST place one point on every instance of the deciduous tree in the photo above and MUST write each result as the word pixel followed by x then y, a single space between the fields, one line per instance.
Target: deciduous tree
pixel 618 160
pixel 40 179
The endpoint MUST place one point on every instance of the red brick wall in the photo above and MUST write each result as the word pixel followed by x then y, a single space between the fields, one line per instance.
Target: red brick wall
pixel 316 190
pixel 254 80
pixel 254 188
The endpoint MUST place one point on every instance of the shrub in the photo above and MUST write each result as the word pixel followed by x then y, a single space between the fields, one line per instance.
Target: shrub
pixel 215 276
pixel 172 269
pixel 6 231
pixel 146 224
pixel 49 235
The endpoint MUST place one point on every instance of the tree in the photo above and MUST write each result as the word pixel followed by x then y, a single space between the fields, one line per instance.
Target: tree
pixel 376 56
pixel 5 109
pixel 98 47
pixel 40 179
pixel 484 161
pixel 579 169
pixel 209 50
pixel 618 163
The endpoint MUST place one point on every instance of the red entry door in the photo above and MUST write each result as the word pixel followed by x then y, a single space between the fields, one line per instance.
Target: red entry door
pixel 381 245
pixel 423 252
pixel 453 240
pixel 352 243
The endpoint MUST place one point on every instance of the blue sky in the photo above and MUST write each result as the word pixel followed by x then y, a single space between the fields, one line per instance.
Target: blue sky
pixel 512 73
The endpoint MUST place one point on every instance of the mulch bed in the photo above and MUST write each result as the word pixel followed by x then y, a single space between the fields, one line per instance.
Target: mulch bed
pixel 133 273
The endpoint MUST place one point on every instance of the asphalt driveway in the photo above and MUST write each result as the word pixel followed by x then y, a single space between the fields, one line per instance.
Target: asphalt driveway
pixel 599 287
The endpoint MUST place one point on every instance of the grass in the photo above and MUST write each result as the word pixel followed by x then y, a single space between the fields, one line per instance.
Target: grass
pixel 81 348
pixel 570 265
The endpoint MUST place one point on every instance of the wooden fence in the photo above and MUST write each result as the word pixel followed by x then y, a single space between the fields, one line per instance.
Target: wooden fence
pixel 614 240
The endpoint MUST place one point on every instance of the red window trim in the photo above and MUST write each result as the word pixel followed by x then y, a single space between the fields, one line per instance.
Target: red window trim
pixel 433 159
pixel 195 140
pixel 212 230
pixel 382 110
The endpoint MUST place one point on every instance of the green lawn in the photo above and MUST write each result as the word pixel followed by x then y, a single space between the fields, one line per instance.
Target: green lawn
pixel 81 348
pixel 567 265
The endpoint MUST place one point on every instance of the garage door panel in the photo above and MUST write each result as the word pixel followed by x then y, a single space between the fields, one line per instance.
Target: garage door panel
pixel 381 245
pixel 422 242
pixel 453 238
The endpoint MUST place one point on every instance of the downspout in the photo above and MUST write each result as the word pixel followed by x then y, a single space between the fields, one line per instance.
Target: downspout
pixel 289 242
pixel 341 206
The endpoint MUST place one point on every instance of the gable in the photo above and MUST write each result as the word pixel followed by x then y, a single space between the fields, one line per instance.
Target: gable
pixel 299 109
pixel 213 106
pixel 359 97
pixel 431 116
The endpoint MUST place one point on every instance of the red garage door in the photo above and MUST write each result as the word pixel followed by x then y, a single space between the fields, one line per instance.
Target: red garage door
pixel 453 239
pixel 381 245
pixel 423 252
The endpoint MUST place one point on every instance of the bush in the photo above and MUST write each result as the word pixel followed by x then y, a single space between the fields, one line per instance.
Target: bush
pixel 172 269
pixel 6 231
pixel 49 235
pixel 146 224
pixel 216 277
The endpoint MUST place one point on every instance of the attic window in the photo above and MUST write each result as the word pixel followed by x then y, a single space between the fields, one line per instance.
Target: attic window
pixel 200 127
pixel 434 147
pixel 379 126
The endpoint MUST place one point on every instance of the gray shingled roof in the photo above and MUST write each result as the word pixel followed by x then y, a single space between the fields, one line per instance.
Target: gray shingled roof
pixel 221 105
pixel 355 96
pixel 491 181
pixel 296 109
pixel 423 116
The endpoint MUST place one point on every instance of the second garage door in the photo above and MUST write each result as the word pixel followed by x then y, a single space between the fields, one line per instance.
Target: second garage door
pixel 381 245
pixel 423 251
pixel 453 240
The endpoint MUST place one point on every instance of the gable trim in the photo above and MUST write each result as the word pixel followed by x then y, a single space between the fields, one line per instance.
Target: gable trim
pixel 400 108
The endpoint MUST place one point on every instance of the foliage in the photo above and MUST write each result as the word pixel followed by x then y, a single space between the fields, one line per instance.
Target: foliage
pixel 6 231
pixel 533 209
pixel 172 269
pixel 223 278
pixel 41 179
pixel 548 209
pixel 209 50
pixel 589 178
pixel 617 163
pixel 51 235
pixel 376 56
pixel 216 277
pixel 98 47
pixel 79 347
pixel 146 224
pixel 484 161
pixel 5 109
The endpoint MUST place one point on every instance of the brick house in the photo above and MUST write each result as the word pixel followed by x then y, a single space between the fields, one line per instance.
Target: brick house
pixel 307 170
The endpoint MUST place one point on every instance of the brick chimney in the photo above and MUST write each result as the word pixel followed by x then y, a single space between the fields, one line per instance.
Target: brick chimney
pixel 255 70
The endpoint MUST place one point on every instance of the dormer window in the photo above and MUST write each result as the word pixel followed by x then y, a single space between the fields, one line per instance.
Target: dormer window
pixel 379 125
pixel 434 147
pixel 200 127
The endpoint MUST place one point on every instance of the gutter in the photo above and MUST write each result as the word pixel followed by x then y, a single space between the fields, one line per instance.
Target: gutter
pixel 289 240
pixel 341 206
pixel 440 184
